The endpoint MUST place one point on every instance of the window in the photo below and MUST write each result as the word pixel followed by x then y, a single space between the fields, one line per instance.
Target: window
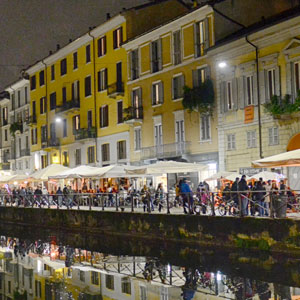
pixel 64 94
pixel 44 161
pixel 157 93
pixel 65 130
pixel 231 142
pixel 42 78
pixel 126 285
pixel 44 135
pixel 297 77
pixel 205 127
pixel 43 105
pixel 27 142
pixel 109 282
pixel 158 135
pixel 13 101
pixel 137 138
pixel 178 84
pixel 88 53
pixel 5 135
pixel 102 80
pixel 120 111
pixel 249 90
pixel 53 100
pixel 4 116
pixel 76 90
pixel 76 124
pixel 164 293
pixel 179 133
pixel 121 148
pixel 78 157
pixel 251 139
pixel 63 67
pixel 143 292
pixel 26 94
pixel 118 37
pixel 104 116
pixel 19 98
pixel 134 64
pixel 199 76
pixel 65 158
pixel 53 72
pixel 271 82
pixel 105 152
pixel 87 86
pixel 156 56
pixel 199 35
pixel 229 95
pixel 273 136
pixel 33 82
pixel 91 156
pixel 34 136
pixel 82 276
pixel 102 46
pixel 177 47
pixel 75 60
pixel 89 119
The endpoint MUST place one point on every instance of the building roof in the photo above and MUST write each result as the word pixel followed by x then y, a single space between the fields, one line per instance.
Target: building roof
pixel 263 24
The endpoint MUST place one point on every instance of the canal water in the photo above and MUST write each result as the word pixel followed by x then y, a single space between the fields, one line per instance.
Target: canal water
pixel 56 266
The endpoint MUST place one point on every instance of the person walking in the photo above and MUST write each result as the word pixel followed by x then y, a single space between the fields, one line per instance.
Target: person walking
pixel 234 189
pixel 260 194
pixel 187 197
pixel 59 194
pixel 146 198
pixel 267 201
pixel 152 195
pixel 160 193
pixel 243 188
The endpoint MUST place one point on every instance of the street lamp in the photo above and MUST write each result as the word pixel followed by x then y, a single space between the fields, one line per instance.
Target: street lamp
pixel 222 64
pixel 58 120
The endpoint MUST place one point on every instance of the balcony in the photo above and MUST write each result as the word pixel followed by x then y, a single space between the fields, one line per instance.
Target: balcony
pixel 84 133
pixel 115 89
pixel 166 150
pixel 4 122
pixel 25 152
pixel 31 120
pixel 16 128
pixel 51 143
pixel 133 115
pixel 68 107
pixel 5 166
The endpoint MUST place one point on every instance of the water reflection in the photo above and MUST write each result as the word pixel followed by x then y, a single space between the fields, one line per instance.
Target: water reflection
pixel 51 271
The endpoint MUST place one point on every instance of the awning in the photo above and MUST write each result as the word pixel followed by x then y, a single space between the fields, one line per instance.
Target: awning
pixel 52 170
pixel 286 159
pixel 163 167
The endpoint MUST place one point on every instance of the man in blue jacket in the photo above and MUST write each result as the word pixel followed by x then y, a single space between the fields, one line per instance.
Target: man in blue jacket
pixel 187 197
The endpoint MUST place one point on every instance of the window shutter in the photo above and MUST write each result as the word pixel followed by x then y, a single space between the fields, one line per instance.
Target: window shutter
pixel 196 37
pixel 223 106
pixel 235 93
pixel 181 85
pixel 255 100
pixel 242 81
pixel 206 29
pixel 262 87
pixel 159 54
pixel 152 93
pixel 105 78
pixel 106 115
pixel 130 59
pixel 277 81
pixel 151 58
pixel 195 78
pixel 161 92
pixel 132 99
pixel 290 80
pixel 139 91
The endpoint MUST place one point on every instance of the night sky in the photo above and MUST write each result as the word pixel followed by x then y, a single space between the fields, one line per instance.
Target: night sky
pixel 30 28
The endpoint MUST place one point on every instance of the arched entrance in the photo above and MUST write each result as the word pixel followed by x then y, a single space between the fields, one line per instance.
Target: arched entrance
pixel 294 172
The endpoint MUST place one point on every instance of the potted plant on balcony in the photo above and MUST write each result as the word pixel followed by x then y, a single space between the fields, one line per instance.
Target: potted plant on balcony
pixel 283 108
pixel 15 128
pixel 200 99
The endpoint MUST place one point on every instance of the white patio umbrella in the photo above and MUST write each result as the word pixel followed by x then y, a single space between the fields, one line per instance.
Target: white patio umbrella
pixel 286 159
pixel 79 172
pixel 51 170
pixel 266 175
pixel 233 176
pixel 6 179
pixel 115 171
pixel 163 167
pixel 219 175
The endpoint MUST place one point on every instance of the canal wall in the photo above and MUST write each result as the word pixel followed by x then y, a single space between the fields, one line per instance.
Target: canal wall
pixel 270 235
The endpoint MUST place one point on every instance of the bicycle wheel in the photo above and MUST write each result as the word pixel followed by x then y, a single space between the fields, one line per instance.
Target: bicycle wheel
pixel 222 210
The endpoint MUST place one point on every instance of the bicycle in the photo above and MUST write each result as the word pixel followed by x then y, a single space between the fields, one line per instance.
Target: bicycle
pixel 231 207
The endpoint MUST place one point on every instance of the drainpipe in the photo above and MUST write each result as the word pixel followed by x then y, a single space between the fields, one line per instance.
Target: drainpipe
pixel 47 109
pixel 95 95
pixel 258 98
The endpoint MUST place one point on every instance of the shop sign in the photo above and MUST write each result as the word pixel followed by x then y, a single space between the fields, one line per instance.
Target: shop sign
pixel 251 171
pixel 249 114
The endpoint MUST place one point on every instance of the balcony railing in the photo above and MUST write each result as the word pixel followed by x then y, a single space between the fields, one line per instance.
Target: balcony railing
pixel 115 89
pixel 5 166
pixel 53 142
pixel 84 133
pixel 31 120
pixel 166 150
pixel 133 114
pixel 25 152
pixel 69 106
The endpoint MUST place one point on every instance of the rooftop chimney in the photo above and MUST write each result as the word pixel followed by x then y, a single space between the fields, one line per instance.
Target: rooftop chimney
pixel 107 16
pixel 57 46
pixel 50 52
pixel 70 40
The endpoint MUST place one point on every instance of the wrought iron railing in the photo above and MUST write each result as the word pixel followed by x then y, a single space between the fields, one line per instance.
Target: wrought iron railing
pixel 68 105
pixel 115 89
pixel 84 133
pixel 133 113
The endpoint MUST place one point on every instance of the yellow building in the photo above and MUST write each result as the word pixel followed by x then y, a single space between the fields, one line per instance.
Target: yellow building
pixel 161 63
pixel 246 130
pixel 78 93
